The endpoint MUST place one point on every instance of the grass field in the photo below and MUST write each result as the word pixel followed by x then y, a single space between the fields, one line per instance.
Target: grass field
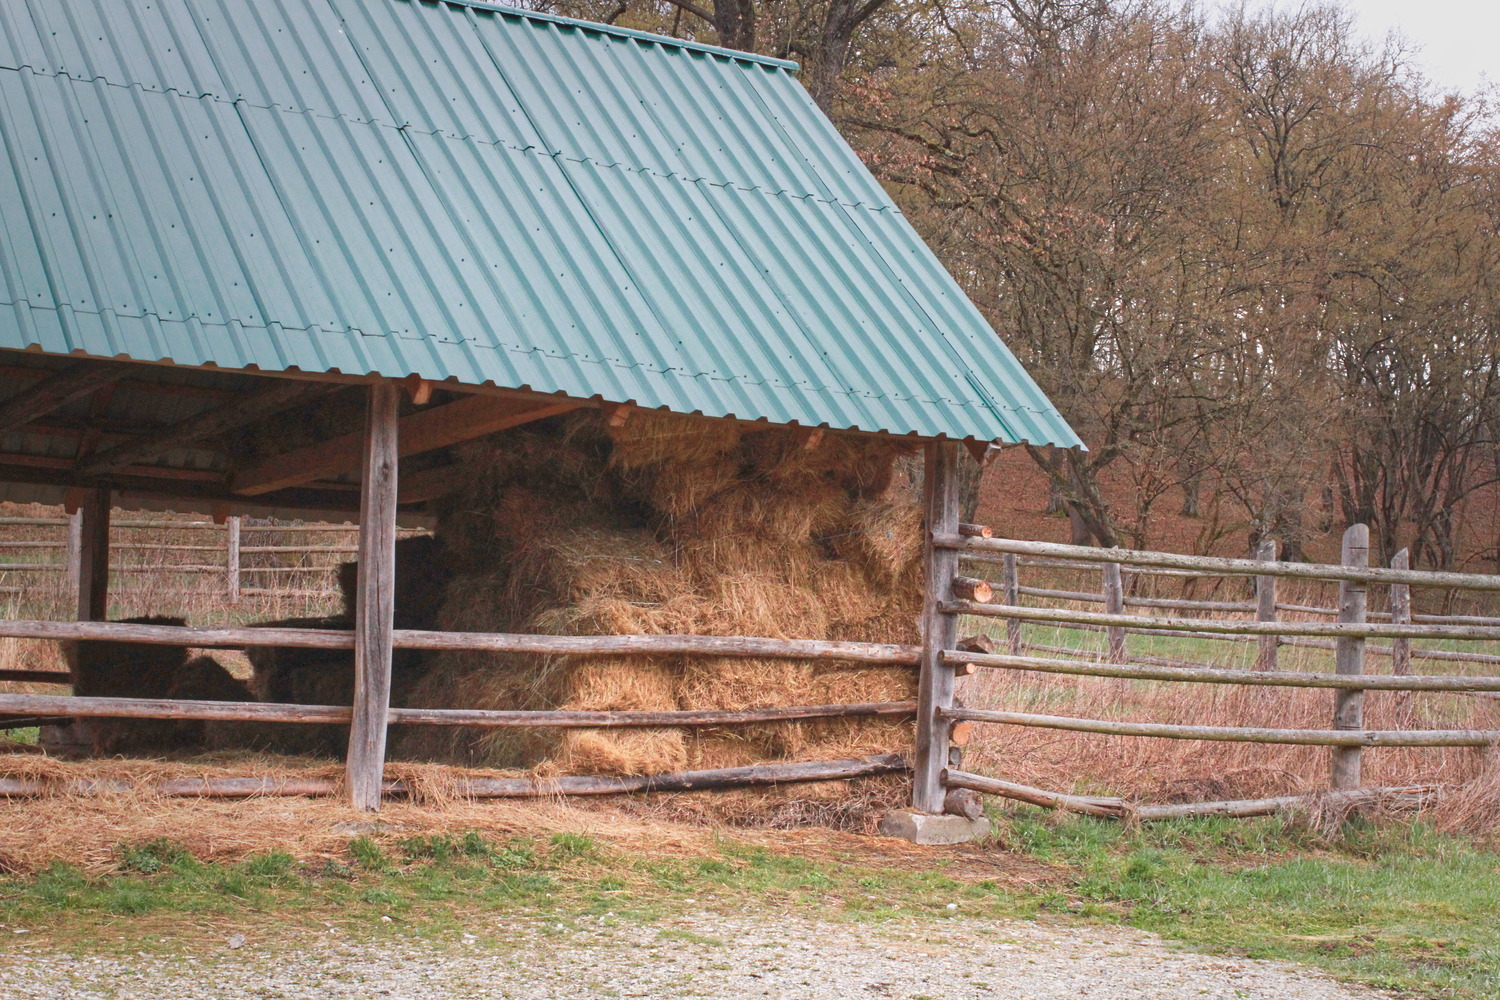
pixel 1404 908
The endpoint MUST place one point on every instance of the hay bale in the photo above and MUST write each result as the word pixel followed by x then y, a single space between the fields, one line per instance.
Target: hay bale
pixel 107 669
pixel 672 524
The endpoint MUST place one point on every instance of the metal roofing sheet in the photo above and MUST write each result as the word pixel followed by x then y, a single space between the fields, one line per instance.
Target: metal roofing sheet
pixel 458 191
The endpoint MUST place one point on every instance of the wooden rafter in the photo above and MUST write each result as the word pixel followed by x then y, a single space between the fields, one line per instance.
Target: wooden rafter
pixel 269 400
pixel 424 430
pixel 58 390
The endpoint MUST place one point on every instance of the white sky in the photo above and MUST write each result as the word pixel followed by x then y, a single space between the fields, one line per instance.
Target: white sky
pixel 1459 40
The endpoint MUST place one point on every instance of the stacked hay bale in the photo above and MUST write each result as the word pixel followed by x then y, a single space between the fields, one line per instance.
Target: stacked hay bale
pixel 672 524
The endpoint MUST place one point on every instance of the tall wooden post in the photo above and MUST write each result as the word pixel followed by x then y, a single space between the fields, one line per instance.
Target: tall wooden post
pixel 75 552
pixel 232 560
pixel 939 629
pixel 1349 658
pixel 1012 581
pixel 1114 604
pixel 374 609
pixel 93 555
pixel 1401 615
pixel 1265 606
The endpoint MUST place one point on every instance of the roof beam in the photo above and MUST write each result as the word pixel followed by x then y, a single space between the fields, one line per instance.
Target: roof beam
pixel 268 401
pixel 58 390
pixel 424 430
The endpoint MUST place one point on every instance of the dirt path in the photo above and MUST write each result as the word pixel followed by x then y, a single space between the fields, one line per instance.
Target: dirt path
pixel 704 955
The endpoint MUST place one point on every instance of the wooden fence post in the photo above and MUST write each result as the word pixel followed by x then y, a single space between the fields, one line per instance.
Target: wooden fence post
pixel 1265 606
pixel 93 556
pixel 75 552
pixel 1349 658
pixel 1012 582
pixel 939 628
pixel 1114 604
pixel 374 610
pixel 232 573
pixel 1401 615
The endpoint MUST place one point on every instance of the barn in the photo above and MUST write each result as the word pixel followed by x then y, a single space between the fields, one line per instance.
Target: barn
pixel 379 259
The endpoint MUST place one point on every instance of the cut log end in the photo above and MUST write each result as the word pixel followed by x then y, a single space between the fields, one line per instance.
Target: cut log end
pixel 961 733
pixel 973 589
pixel 976 644
pixel 976 531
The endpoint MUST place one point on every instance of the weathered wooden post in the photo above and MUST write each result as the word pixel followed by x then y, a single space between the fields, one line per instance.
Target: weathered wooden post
pixel 374 609
pixel 1349 658
pixel 93 555
pixel 1114 604
pixel 926 823
pixel 75 552
pixel 939 628
pixel 1265 606
pixel 1012 580
pixel 232 572
pixel 1401 615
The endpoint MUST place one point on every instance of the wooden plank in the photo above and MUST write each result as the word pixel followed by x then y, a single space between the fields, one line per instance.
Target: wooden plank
pixel 58 390
pixel 560 645
pixel 424 430
pixel 1114 604
pixel 93 559
pixel 756 775
pixel 939 626
pixel 1349 659
pixel 1180 670
pixel 374 606
pixel 1265 607
pixel 993 549
pixel 255 711
pixel 249 408
pixel 1401 615
pixel 1210 626
pixel 232 558
pixel 1012 582
pixel 1085 804
pixel 1240 734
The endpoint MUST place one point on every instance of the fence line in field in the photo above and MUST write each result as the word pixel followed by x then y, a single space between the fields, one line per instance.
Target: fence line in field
pixel 239 574
pixel 1257 620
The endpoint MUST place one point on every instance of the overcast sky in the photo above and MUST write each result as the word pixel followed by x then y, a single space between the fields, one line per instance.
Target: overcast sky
pixel 1459 40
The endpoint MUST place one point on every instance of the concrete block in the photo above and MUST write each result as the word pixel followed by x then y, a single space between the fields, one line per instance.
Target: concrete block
pixel 929 828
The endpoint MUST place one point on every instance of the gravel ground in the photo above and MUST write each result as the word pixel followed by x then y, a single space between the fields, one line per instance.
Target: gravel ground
pixel 706 955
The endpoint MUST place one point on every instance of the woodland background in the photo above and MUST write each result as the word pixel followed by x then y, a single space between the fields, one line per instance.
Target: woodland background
pixel 1251 257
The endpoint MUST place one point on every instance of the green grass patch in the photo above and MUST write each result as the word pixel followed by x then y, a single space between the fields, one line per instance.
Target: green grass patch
pixel 1400 907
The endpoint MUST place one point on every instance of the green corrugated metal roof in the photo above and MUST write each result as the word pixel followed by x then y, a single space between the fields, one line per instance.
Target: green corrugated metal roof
pixel 454 190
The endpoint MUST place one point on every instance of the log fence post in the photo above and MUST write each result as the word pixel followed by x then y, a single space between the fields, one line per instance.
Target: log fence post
pixel 1012 583
pixel 1349 658
pixel 93 555
pixel 75 552
pixel 1114 604
pixel 374 611
pixel 232 573
pixel 1265 606
pixel 1401 615
pixel 939 627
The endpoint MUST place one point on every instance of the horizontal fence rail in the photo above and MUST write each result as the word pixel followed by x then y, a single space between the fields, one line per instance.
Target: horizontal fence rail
pixel 994 548
pixel 1238 734
pixel 560 645
pixel 257 711
pixel 755 775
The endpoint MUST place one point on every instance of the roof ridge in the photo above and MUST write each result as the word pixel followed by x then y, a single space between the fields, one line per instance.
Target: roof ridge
pixel 610 29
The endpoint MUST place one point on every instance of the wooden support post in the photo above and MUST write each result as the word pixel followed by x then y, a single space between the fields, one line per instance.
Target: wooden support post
pixel 93 556
pixel 1401 615
pixel 1013 598
pixel 939 628
pixel 75 552
pixel 1114 604
pixel 1349 658
pixel 374 610
pixel 232 572
pixel 1265 606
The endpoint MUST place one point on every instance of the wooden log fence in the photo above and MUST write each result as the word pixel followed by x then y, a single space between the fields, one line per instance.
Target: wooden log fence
pixel 1257 620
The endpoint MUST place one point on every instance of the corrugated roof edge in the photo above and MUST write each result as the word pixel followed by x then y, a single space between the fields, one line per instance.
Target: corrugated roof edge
pixel 610 29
